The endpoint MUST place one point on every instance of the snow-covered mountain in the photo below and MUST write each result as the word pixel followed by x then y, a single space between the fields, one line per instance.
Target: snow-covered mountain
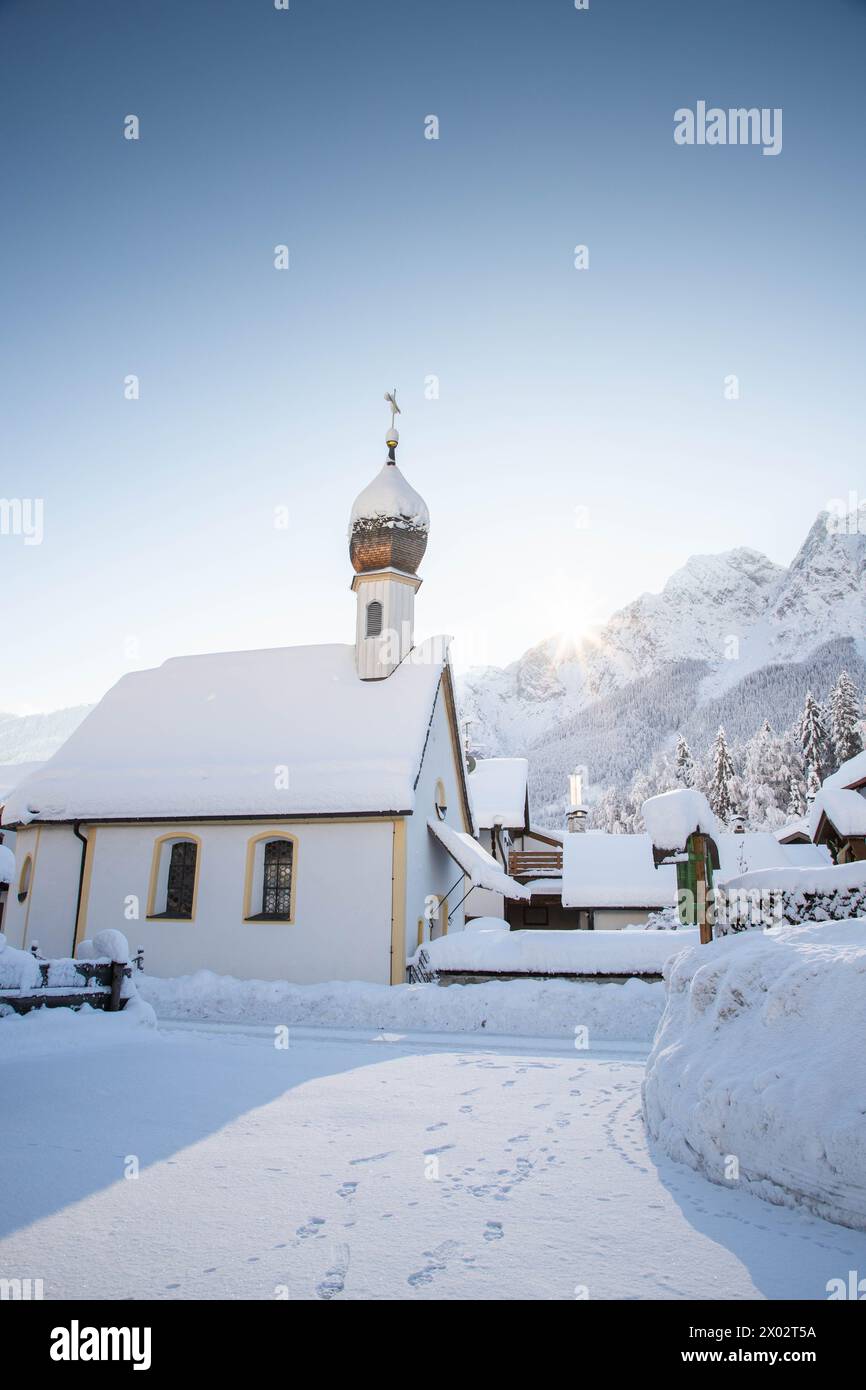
pixel 733 635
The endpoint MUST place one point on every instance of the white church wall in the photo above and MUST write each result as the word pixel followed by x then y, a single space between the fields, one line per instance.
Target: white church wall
pixel 47 915
pixel 429 870
pixel 342 921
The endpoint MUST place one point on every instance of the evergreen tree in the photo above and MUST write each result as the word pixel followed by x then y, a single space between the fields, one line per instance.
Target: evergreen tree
pixel 813 740
pixel 722 779
pixel 845 737
pixel 796 798
pixel 684 763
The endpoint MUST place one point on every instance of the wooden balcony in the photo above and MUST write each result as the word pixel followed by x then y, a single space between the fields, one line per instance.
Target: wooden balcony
pixel 535 863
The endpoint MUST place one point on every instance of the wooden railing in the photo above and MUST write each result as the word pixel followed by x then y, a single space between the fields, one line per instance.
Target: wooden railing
pixel 534 862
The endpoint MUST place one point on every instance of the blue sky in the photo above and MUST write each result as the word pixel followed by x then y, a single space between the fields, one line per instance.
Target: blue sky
pixel 566 397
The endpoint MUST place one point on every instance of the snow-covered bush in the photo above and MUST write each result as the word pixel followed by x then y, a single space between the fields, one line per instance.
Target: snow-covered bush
pixel 758 1070
pixel 774 897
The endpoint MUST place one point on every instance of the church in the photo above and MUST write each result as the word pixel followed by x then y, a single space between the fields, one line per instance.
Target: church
pixel 299 813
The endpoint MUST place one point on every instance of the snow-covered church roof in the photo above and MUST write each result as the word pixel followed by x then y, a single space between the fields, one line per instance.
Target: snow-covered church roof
pixel 286 731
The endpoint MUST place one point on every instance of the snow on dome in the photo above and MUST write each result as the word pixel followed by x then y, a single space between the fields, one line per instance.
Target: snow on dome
pixel 845 810
pixel 392 500
pixel 672 817
pixel 388 525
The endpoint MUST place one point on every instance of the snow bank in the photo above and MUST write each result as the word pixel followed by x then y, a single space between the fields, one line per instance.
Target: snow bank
pixel 758 1071
pixel 522 1008
pixel 559 952
pixel 672 817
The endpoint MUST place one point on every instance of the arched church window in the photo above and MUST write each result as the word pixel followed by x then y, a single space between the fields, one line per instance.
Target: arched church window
pixel 181 879
pixel 174 878
pixel 24 878
pixel 269 887
pixel 277 879
pixel 374 619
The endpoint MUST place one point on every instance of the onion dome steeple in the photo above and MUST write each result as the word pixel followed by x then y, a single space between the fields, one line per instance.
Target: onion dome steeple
pixel 388 532
pixel 390 521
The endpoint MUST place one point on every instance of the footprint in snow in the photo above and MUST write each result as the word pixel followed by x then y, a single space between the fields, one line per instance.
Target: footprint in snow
pixel 335 1278
pixel 494 1231
pixel 311 1228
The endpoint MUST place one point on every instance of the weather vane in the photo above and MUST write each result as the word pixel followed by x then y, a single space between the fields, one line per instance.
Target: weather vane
pixel 392 438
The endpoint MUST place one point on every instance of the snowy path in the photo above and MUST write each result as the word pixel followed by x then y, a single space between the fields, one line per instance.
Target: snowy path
pixel 313 1171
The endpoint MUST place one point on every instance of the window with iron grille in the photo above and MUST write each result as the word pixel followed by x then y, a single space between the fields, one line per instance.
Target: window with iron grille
pixel 374 619
pixel 181 879
pixel 277 879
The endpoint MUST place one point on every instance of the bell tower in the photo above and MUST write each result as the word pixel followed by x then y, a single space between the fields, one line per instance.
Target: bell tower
pixel 388 532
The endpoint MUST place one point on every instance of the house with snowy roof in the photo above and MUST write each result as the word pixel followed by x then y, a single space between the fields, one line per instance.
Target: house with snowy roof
pixel 499 792
pixel 299 813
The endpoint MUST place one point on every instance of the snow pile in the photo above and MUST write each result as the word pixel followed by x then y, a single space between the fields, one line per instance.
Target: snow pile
pixel 771 897
pixel 497 787
pixel 672 817
pixel 845 810
pixel 500 951
pixel 18 969
pixel 106 945
pixel 758 1073
pixel 626 1012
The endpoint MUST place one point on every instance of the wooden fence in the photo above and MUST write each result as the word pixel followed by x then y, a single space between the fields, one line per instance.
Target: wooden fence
pixel 101 986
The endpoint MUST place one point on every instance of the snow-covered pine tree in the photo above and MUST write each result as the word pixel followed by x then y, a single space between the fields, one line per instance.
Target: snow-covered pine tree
pixel 814 740
pixel 685 763
pixel 843 704
pixel 722 778
pixel 766 780
pixel 796 798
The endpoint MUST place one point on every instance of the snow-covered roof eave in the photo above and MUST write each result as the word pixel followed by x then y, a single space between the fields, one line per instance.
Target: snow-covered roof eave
pixel 479 867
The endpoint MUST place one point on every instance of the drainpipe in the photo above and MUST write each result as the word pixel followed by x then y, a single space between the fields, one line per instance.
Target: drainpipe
pixel 76 830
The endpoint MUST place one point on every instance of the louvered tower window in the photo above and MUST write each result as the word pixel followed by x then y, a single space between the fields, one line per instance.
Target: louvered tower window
pixel 277 879
pixel 374 619
pixel 181 879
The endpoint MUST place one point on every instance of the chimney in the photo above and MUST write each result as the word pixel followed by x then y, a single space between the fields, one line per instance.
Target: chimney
pixel 576 818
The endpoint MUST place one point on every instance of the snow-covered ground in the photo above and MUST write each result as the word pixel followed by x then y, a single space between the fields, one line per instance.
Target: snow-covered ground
pixel 363 1168
pixel 759 1065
